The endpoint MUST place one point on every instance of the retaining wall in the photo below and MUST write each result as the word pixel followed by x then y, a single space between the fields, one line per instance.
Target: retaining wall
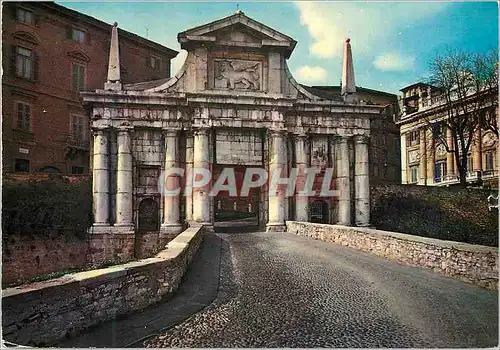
pixel 472 263
pixel 42 313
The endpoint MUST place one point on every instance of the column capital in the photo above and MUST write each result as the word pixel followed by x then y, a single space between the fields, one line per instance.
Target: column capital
pixel 302 136
pixel 170 132
pixel 99 131
pixel 341 138
pixel 361 139
pixel 200 131
pixel 277 133
pixel 124 129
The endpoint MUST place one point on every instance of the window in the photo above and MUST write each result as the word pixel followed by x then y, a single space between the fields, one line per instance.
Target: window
pixel 439 171
pixel 77 170
pixel 78 35
pixel 24 62
pixel 24 16
pixel 23 116
pixel 79 128
pixel 78 77
pixel 414 174
pixel 470 164
pixel 490 161
pixel 21 165
pixel 413 138
pixel 154 62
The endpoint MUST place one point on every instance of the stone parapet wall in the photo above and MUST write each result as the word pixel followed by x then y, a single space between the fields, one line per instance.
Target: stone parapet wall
pixel 472 263
pixel 42 313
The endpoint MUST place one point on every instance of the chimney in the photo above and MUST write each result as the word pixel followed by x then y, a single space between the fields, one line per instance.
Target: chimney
pixel 348 91
pixel 114 82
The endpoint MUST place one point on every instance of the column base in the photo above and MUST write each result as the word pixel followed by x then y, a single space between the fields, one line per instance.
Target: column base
pixel 100 228
pixel 171 228
pixel 362 225
pixel 207 226
pixel 125 228
pixel 275 227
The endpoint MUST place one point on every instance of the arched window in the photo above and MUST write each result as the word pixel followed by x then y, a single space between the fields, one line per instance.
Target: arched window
pixel 149 217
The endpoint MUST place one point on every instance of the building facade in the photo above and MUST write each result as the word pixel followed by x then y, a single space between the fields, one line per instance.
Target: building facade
pixel 234 104
pixel 50 54
pixel 424 159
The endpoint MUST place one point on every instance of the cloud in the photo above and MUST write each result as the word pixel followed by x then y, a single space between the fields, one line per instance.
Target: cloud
pixel 177 62
pixel 367 24
pixel 394 61
pixel 311 74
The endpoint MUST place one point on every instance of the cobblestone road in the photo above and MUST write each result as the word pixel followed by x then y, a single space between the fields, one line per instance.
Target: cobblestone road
pixel 281 290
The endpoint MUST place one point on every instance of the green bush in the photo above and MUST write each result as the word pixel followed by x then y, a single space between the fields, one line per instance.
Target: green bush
pixel 49 207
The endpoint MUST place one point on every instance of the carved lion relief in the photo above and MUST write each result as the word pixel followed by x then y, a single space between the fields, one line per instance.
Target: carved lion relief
pixel 237 74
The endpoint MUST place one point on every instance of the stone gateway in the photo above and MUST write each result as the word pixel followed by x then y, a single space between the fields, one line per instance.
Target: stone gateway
pixel 233 104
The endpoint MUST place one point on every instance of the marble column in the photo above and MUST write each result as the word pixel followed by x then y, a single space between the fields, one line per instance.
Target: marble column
pixel 277 164
pixel 124 211
pixel 301 200
pixel 201 196
pixel 362 182
pixel 422 167
pixel 171 202
pixel 431 153
pixel 450 169
pixel 100 178
pixel 343 181
pixel 476 153
pixel 189 168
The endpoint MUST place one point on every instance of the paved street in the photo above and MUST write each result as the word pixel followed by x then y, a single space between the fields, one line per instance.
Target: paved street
pixel 280 290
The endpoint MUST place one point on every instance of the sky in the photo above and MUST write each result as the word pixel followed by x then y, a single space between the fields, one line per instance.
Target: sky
pixel 392 42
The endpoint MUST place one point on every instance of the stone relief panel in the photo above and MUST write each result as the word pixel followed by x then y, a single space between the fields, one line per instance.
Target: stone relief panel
pixel 238 147
pixel 237 74
pixel 319 152
pixel 414 156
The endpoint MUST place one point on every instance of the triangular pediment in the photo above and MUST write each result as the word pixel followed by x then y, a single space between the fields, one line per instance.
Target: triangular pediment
pixel 234 30
pixel 79 55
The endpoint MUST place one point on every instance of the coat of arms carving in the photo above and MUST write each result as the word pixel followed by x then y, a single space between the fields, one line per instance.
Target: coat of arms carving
pixel 237 74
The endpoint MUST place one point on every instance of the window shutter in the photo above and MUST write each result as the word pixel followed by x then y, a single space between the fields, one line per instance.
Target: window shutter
pixel 13 12
pixel 36 66
pixel 36 19
pixel 74 77
pixel 13 60
pixel 69 32
pixel 81 78
pixel 87 38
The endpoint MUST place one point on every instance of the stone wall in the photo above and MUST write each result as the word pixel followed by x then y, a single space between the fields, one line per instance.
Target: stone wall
pixel 25 257
pixel 42 313
pixel 472 263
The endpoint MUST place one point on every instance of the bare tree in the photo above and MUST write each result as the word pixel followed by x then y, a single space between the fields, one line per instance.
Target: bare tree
pixel 486 68
pixel 460 78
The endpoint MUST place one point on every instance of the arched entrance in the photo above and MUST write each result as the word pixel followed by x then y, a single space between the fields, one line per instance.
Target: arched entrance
pixel 146 239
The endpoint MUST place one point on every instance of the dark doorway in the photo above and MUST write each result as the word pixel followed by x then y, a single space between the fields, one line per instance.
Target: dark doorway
pixel 318 212
pixel 149 218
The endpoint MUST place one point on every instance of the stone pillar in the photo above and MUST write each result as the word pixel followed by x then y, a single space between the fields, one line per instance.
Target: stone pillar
pixel 277 162
pixel 189 168
pixel 362 182
pixel 201 160
pixel 422 167
pixel 100 178
pixel 450 169
pixel 124 216
pixel 431 151
pixel 301 201
pixel 343 181
pixel 476 152
pixel 171 203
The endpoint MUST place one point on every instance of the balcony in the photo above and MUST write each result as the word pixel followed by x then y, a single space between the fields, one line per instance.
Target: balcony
pixel 77 143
